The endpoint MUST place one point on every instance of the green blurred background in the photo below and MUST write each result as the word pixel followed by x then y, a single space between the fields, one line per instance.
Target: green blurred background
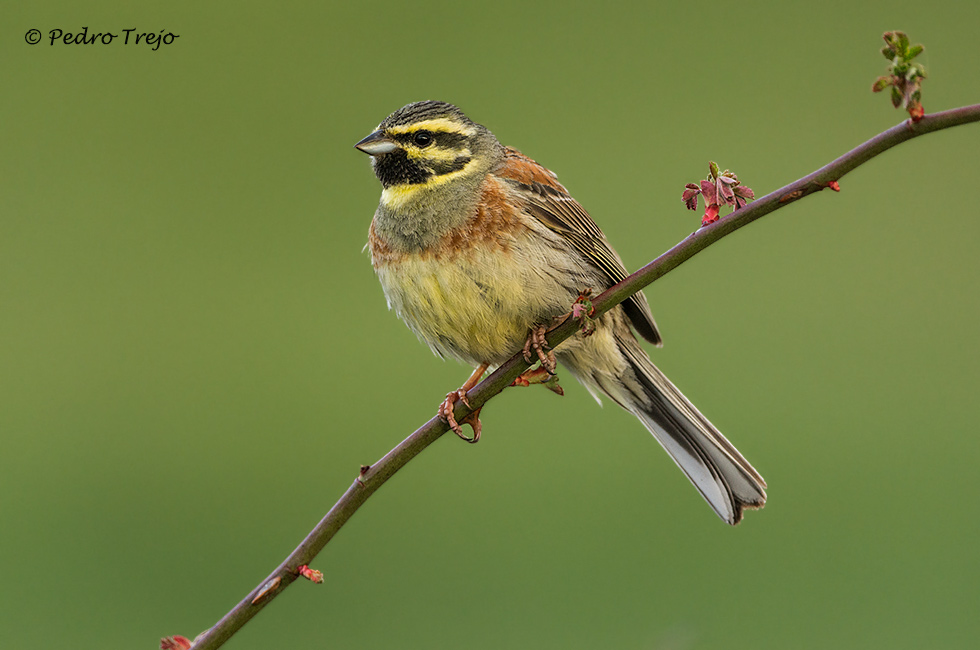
pixel 195 356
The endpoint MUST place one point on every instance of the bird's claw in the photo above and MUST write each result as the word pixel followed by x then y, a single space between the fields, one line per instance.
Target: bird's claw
pixel 472 419
pixel 536 341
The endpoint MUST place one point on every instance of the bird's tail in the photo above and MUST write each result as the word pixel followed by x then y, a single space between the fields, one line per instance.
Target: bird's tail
pixel 723 477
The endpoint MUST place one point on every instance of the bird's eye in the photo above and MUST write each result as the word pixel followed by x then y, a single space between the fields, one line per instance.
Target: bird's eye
pixel 422 138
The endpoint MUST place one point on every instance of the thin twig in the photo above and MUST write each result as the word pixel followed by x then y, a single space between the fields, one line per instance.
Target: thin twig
pixel 373 477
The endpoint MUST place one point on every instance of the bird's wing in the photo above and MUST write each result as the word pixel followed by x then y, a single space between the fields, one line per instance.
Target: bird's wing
pixel 549 202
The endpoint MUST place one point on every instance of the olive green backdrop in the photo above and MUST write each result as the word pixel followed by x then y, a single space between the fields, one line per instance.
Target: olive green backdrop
pixel 195 356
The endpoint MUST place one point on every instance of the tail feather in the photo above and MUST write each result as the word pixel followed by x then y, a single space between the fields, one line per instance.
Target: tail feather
pixel 720 473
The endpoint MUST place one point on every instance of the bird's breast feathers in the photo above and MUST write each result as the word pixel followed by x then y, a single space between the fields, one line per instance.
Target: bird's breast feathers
pixel 475 293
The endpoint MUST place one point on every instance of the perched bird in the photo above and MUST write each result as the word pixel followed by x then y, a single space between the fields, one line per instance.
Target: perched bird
pixel 476 245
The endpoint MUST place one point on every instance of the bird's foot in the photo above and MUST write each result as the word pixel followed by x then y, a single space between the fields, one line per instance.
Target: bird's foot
pixel 473 418
pixel 537 342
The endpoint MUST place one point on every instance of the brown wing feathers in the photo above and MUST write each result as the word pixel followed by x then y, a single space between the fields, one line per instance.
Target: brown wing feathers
pixel 549 202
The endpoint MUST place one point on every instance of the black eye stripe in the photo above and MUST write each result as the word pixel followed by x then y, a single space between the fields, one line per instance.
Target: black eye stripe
pixel 443 139
pixel 443 153
pixel 450 140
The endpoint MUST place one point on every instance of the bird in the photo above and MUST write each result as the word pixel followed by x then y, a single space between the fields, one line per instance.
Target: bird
pixel 478 248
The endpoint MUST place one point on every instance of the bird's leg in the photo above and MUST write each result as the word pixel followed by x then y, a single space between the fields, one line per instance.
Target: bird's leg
pixel 473 419
pixel 536 341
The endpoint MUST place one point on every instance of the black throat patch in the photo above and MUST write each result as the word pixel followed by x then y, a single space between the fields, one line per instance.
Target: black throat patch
pixel 395 168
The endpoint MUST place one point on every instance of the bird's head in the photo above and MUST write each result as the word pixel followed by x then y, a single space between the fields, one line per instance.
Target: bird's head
pixel 426 145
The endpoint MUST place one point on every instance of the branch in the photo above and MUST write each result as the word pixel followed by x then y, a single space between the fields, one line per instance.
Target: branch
pixel 373 477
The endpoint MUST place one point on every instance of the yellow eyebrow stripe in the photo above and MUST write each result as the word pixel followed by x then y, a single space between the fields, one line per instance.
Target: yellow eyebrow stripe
pixel 439 124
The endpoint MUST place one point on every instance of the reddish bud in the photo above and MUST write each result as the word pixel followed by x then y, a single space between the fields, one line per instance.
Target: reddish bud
pixel 539 376
pixel 904 77
pixel 710 214
pixel 582 311
pixel 719 189
pixel 175 642
pixel 311 574
pixel 834 185
pixel 916 112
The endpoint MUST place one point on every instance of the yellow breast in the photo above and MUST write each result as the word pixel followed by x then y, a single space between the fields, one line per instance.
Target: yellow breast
pixel 476 293
pixel 473 308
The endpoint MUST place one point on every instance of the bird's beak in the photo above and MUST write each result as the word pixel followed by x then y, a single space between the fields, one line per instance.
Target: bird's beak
pixel 376 144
